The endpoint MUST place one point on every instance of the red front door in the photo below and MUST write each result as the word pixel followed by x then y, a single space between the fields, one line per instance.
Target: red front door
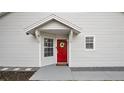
pixel 61 51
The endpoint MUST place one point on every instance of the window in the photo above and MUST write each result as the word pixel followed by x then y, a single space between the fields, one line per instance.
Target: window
pixel 89 41
pixel 48 47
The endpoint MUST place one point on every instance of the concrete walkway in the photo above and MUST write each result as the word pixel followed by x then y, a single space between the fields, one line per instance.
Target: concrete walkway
pixel 53 72
pixel 98 75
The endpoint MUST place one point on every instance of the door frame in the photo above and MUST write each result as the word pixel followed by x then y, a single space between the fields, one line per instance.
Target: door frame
pixel 67 48
pixel 41 47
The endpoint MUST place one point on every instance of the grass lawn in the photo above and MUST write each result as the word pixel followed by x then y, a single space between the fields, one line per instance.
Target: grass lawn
pixel 15 75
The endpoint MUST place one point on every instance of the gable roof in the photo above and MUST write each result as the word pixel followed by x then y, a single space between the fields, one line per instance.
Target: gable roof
pixel 30 28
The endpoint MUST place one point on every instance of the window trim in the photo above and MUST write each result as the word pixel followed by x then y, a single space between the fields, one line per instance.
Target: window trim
pixel 94 42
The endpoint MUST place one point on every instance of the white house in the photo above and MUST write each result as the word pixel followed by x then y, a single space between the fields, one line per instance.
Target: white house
pixel 35 39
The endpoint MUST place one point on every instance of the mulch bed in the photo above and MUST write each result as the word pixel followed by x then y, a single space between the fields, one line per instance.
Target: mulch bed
pixel 15 75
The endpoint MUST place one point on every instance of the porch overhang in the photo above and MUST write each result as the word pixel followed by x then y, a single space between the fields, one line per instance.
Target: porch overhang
pixel 34 27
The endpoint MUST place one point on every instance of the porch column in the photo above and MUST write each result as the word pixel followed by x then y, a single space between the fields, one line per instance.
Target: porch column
pixel 70 40
pixel 38 36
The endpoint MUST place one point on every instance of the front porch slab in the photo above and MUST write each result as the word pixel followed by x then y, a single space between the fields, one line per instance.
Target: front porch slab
pixel 53 72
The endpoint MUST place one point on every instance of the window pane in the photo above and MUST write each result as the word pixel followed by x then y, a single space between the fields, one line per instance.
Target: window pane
pixel 48 44
pixel 48 40
pixel 51 44
pixel 45 44
pixel 89 45
pixel 48 54
pixel 45 40
pixel 89 39
pixel 45 54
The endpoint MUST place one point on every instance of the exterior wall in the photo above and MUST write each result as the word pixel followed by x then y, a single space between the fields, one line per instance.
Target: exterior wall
pixel 108 29
pixel 18 49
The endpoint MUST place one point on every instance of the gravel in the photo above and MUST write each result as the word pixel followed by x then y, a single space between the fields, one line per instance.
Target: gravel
pixel 15 75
